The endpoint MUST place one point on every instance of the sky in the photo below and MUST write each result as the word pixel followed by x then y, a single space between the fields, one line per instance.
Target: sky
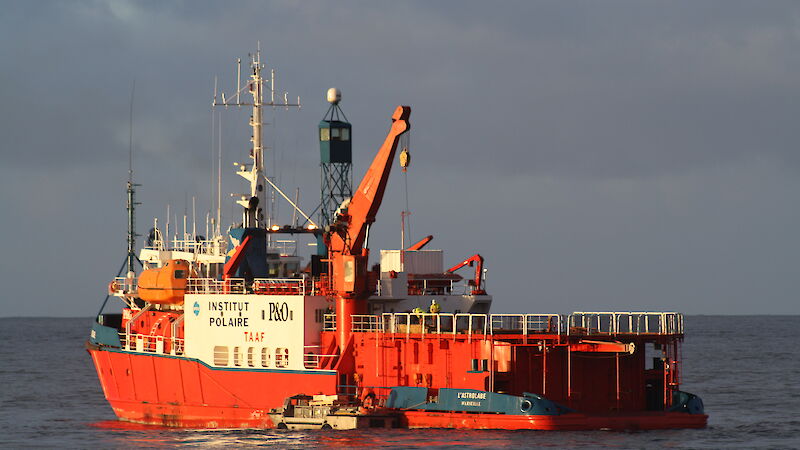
pixel 616 155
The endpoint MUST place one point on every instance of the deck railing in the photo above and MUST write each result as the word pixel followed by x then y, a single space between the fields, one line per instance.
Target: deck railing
pixel 366 322
pixel 525 323
pixel 151 344
pixel 625 322
pixel 578 323
pixel 329 322
pixel 312 357
pixel 432 286
pixel 213 286
pixel 266 286
pixel 122 286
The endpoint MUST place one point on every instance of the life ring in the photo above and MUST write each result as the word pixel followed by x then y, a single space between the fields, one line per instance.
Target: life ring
pixel 369 401
pixel 113 287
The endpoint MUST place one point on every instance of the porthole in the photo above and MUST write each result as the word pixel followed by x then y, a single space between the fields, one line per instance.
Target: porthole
pixel 525 405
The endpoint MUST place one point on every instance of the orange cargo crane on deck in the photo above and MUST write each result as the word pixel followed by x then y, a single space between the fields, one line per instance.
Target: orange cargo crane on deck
pixel 347 238
pixel 476 260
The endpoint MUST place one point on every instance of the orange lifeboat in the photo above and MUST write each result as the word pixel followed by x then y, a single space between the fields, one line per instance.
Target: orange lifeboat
pixel 164 285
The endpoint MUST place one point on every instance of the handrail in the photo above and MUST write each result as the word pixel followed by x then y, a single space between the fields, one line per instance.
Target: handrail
pixel 122 286
pixel 578 323
pixel 626 322
pixel 312 360
pixel 366 322
pixel 214 286
pixel 136 317
pixel 267 286
pixel 152 344
pixel 208 246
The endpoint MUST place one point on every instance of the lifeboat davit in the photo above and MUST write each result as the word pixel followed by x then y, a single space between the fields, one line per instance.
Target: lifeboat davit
pixel 164 285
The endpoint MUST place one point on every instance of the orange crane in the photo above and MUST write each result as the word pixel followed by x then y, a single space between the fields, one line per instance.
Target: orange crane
pixel 422 243
pixel 347 237
pixel 476 260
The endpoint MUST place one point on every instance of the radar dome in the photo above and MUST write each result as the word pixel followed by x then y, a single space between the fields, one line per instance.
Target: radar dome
pixel 334 95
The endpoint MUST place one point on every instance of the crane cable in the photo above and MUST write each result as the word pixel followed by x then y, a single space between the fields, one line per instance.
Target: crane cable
pixel 405 160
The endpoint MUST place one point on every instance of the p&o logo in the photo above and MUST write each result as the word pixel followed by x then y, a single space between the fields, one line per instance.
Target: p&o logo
pixel 196 308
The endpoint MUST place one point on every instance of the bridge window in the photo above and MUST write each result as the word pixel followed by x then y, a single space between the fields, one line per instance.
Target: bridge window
pixel 221 355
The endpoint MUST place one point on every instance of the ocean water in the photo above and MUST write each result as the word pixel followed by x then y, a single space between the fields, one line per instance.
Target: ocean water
pixel 746 369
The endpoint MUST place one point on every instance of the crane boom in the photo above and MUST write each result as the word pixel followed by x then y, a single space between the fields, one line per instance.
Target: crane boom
pixel 477 260
pixel 422 243
pixel 347 237
pixel 368 197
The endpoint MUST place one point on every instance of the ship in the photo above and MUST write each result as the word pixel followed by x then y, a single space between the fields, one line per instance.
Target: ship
pixel 237 331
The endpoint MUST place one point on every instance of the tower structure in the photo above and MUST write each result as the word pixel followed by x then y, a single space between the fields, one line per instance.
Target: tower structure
pixel 336 159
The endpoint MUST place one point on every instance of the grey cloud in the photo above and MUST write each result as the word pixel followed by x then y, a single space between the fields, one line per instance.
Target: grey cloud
pixel 607 153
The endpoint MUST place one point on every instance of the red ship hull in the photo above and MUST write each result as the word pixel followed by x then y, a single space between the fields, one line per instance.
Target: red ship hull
pixel 181 392
pixel 571 421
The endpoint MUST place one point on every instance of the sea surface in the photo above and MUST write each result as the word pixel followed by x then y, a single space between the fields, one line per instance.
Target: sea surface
pixel 746 369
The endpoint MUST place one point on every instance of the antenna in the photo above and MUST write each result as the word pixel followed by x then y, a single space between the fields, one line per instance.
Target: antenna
pixel 130 258
pixel 194 220
pixel 131 191
pixel 219 175
pixel 255 202
pixel 130 135
pixel 212 184
pixel 296 201
pixel 167 228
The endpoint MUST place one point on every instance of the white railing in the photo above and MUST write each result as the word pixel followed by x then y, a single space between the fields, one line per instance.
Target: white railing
pixel 151 344
pixel 578 323
pixel 329 322
pixel 293 286
pixel 311 360
pixel 266 286
pixel 429 323
pixel 284 247
pixel 213 286
pixel 208 247
pixel 525 323
pixel 411 323
pixel 366 322
pixel 447 323
pixel 625 322
pixel 423 287
pixel 122 286
pixel 461 288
